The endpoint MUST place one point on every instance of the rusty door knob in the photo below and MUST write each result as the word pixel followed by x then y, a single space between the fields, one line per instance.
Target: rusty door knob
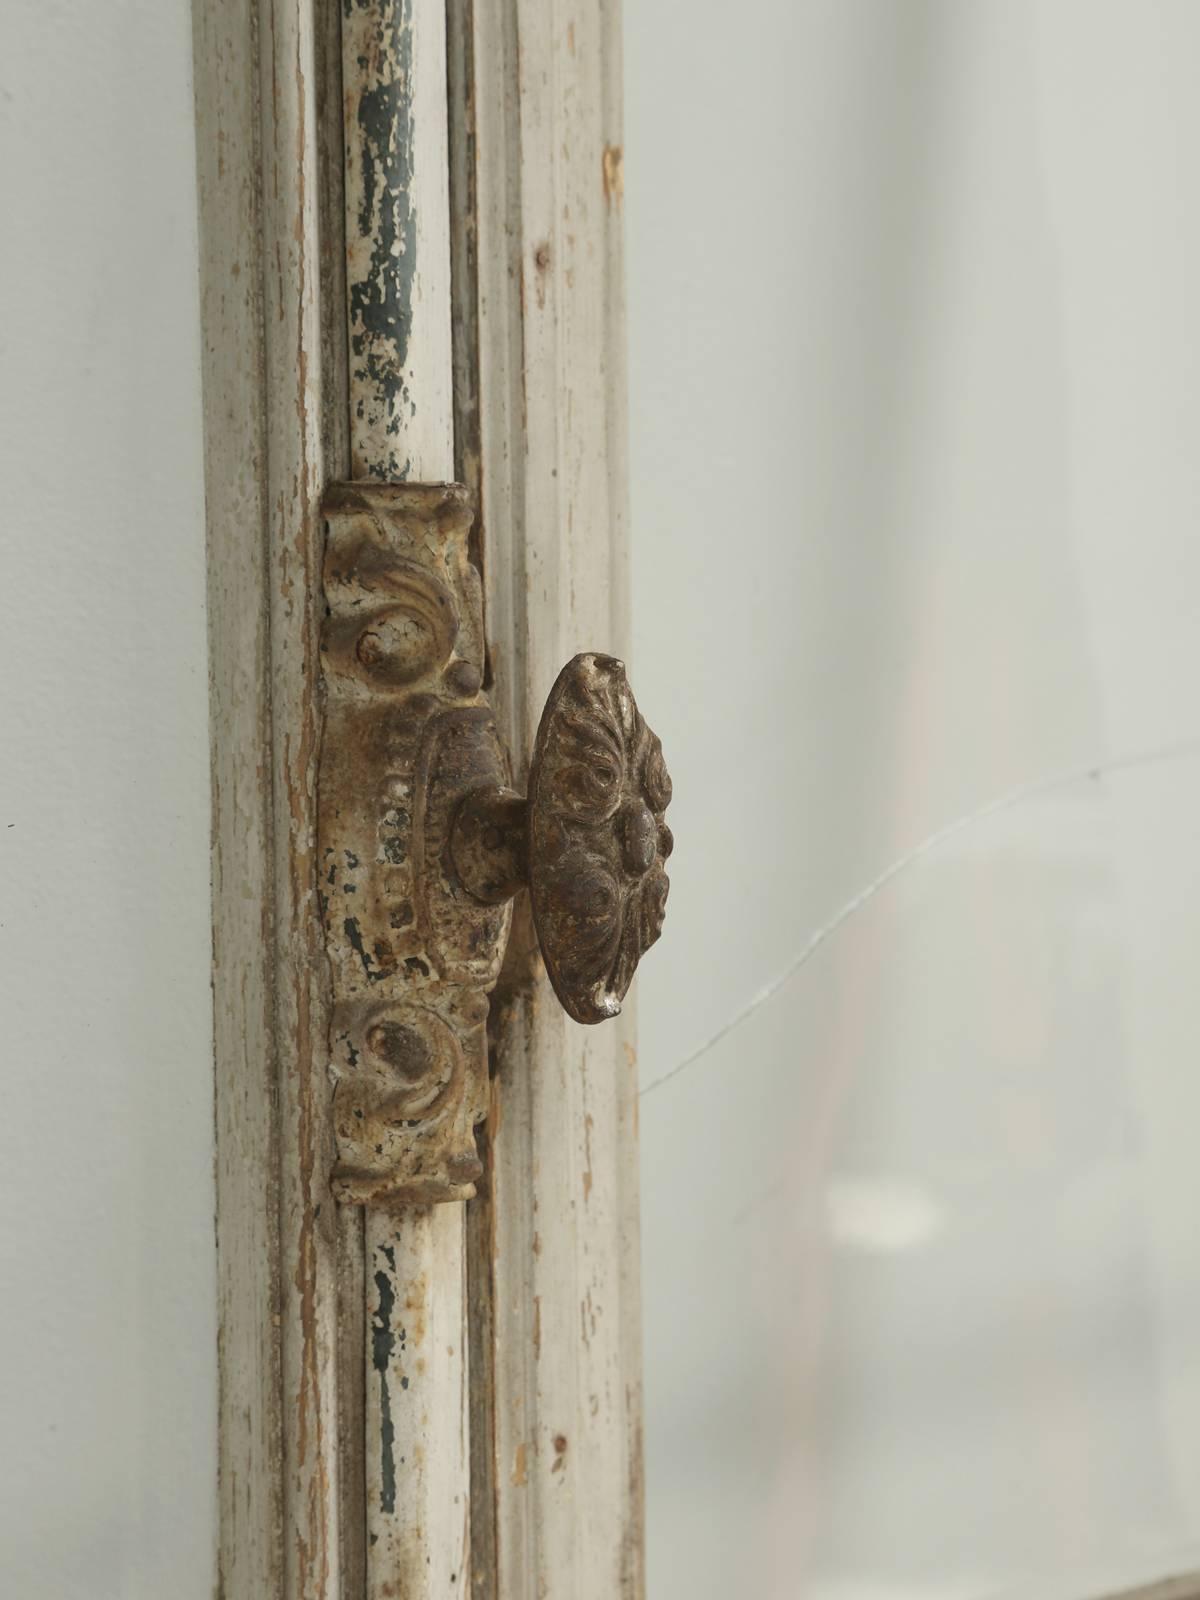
pixel 589 840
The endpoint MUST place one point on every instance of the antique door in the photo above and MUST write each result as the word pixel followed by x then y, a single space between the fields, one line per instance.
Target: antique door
pixel 410 275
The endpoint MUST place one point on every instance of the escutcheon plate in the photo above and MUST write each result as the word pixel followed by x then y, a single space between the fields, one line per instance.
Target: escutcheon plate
pixel 407 734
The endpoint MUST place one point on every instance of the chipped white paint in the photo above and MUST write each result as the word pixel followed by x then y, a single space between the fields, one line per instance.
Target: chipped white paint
pixel 295 477
pixel 542 413
pixel 402 426
pixel 397 239
pixel 417 1485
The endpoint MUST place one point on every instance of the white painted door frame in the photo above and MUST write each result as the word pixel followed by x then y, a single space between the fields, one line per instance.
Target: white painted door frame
pixel 515 1442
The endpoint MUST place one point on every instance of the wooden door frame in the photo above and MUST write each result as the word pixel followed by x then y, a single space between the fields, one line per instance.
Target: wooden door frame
pixel 553 1406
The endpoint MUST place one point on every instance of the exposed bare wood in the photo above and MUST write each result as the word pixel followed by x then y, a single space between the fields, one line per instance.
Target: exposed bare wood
pixel 296 472
pixel 250 1488
pixel 539 357
pixel 335 387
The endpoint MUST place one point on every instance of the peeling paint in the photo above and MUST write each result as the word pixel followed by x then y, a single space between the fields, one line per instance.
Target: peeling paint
pixel 383 1343
pixel 382 258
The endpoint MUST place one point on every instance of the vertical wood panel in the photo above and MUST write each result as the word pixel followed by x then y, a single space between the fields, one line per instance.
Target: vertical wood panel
pixel 295 479
pixel 540 357
pixel 250 1490
pixel 258 66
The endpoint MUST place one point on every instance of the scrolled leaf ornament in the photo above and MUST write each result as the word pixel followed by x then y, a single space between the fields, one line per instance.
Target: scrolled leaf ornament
pixel 598 838
pixel 422 843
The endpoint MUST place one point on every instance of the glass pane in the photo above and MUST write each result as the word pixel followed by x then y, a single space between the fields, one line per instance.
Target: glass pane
pixel 915 353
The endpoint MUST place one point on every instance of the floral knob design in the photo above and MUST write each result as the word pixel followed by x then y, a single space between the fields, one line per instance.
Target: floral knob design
pixel 590 839
pixel 598 838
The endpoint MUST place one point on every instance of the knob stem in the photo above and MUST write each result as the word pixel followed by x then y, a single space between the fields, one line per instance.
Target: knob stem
pixel 489 844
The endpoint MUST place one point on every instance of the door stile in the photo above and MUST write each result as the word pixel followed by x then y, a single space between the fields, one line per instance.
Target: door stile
pixel 539 318
pixel 269 449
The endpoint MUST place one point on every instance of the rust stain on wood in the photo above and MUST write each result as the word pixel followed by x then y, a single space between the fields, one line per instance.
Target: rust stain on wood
pixel 541 263
pixel 612 173
pixel 416 1299
pixel 633 1542
pixel 589 1122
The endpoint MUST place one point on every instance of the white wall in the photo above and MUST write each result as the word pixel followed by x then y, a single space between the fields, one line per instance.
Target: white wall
pixel 915 341
pixel 107 1288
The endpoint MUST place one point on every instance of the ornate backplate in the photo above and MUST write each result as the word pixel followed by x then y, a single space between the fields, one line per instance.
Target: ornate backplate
pixel 407 735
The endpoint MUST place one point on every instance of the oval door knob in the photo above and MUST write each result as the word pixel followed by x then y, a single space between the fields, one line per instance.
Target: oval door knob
pixel 590 839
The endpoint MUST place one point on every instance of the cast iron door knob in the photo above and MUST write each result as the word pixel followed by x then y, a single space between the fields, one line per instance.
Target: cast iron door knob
pixel 590 839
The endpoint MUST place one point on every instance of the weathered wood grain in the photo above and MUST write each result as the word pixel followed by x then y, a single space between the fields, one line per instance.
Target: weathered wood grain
pixel 250 1487
pixel 266 425
pixel 296 474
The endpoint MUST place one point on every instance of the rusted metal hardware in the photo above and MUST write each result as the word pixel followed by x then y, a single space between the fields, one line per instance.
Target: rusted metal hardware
pixel 407 736
pixel 590 841
pixel 423 843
